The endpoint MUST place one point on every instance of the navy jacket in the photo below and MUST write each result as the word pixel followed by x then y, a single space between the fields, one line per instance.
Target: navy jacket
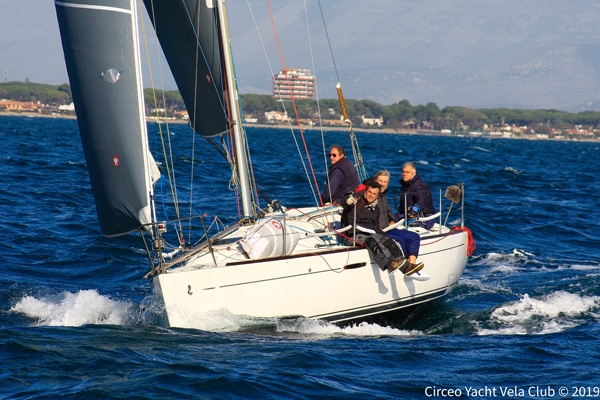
pixel 343 178
pixel 386 215
pixel 367 216
pixel 416 192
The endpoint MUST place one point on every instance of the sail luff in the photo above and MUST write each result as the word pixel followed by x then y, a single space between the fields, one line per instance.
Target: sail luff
pixel 103 63
pixel 152 173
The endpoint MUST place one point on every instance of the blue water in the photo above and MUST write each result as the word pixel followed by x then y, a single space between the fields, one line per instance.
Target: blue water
pixel 76 320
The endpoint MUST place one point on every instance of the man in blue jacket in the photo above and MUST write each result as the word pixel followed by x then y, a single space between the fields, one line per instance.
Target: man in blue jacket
pixel 415 194
pixel 342 179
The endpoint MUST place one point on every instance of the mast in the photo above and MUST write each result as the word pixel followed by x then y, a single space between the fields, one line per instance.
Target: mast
pixel 236 120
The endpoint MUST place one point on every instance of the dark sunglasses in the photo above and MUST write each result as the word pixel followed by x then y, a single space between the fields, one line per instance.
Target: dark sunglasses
pixel 333 155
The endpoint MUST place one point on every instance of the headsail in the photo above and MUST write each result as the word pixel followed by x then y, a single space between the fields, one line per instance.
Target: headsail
pixel 100 45
pixel 188 32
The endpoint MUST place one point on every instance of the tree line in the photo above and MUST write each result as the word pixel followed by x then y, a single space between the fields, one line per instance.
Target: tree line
pixel 429 116
pixel 395 116
pixel 33 92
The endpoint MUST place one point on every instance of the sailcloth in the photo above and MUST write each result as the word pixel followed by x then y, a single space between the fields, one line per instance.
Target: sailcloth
pixel 101 51
pixel 189 37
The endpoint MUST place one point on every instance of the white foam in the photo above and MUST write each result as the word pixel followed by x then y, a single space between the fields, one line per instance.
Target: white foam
pixel 315 327
pixel 224 321
pixel 514 170
pixel 504 269
pixel 522 253
pixel 498 263
pixel 90 307
pixel 484 287
pixel 579 267
pixel 552 313
pixel 74 309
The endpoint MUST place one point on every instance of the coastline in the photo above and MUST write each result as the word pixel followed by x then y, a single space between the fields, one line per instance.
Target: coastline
pixel 331 128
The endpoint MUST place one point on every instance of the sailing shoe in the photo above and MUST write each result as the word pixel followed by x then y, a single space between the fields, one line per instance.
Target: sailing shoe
pixel 394 265
pixel 412 268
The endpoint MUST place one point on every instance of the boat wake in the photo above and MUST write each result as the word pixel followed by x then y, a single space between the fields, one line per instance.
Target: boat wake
pixel 75 309
pixel 88 307
pixel 551 313
pixel 315 327
pixel 561 299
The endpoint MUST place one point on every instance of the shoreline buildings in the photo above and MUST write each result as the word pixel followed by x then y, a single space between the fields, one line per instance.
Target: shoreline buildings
pixel 294 82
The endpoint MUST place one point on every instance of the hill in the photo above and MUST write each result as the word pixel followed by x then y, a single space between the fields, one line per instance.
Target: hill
pixel 365 113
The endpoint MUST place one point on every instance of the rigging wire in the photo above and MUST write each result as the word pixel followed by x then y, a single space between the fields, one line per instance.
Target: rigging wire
pixel 193 147
pixel 320 116
pixel 314 69
pixel 170 172
pixel 200 56
pixel 219 91
pixel 328 41
pixel 293 101
pixel 232 99
pixel 358 161
pixel 268 60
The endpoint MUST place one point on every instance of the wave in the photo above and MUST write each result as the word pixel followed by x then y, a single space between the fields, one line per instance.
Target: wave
pixel 88 307
pixel 513 170
pixel 551 313
pixel 74 309
pixel 498 263
pixel 315 327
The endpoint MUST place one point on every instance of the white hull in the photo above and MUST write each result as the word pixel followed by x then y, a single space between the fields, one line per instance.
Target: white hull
pixel 319 280
pixel 274 275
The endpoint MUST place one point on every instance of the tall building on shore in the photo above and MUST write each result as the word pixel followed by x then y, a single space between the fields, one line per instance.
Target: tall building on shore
pixel 294 82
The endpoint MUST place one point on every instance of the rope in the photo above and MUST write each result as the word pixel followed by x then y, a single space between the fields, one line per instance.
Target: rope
pixel 169 157
pixel 358 161
pixel 293 100
pixel 329 42
pixel 268 60
pixel 471 244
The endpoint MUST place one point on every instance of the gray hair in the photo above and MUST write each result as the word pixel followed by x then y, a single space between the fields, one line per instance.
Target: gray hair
pixel 383 172
pixel 410 164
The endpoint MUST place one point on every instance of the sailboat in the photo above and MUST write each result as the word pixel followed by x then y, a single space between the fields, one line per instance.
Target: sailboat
pixel 271 261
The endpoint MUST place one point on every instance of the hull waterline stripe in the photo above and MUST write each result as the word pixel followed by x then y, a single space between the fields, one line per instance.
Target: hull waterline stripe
pixel 395 306
pixel 101 8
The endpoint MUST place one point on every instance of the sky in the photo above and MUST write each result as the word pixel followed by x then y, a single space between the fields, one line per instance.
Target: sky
pixel 474 53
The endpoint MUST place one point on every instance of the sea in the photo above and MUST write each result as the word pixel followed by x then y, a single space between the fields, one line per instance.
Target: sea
pixel 77 322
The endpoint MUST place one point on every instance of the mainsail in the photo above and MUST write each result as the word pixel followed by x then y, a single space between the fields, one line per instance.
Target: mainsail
pixel 188 32
pixel 101 51
pixel 193 35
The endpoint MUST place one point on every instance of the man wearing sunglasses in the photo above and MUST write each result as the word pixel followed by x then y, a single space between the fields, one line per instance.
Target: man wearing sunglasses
pixel 342 178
